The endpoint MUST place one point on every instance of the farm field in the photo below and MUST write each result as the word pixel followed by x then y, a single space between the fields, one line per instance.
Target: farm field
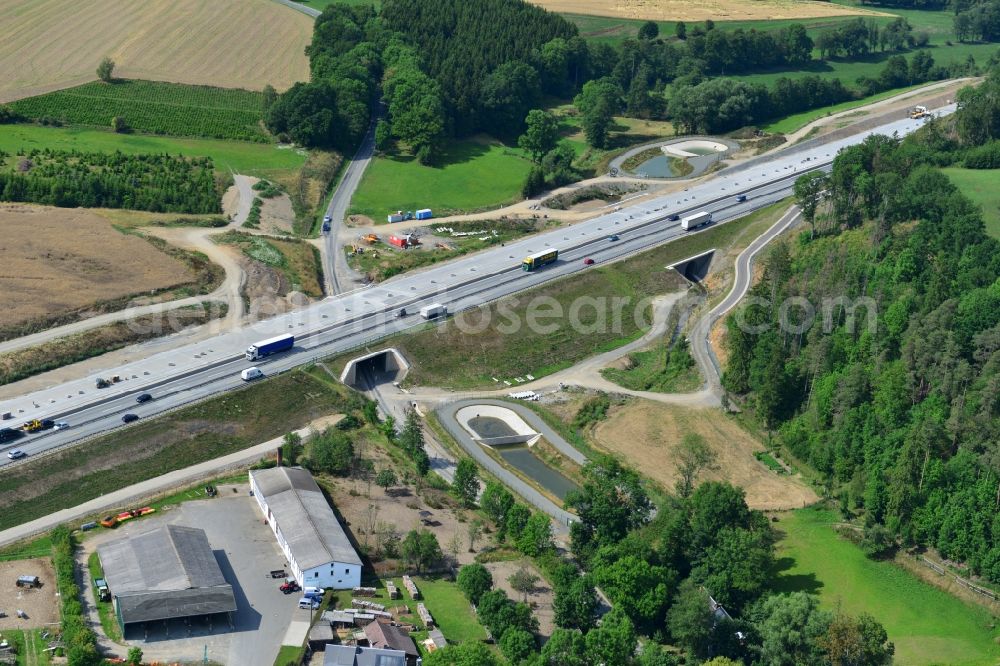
pixel 155 108
pixel 229 43
pixel 685 10
pixel 644 435
pixel 54 273
pixel 980 185
pixel 264 160
pixel 473 175
pixel 927 625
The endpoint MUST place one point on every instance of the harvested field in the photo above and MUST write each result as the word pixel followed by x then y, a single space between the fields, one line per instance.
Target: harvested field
pixel 645 433
pixel 228 43
pixel 686 10
pixel 40 604
pixel 58 261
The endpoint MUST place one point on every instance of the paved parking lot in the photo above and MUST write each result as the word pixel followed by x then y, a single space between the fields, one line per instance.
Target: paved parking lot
pixel 246 551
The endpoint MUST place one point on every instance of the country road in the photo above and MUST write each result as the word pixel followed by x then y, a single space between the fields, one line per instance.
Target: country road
pixel 742 281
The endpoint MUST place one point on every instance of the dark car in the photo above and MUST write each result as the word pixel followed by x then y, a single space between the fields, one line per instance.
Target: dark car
pixel 674 217
pixel 401 313
pixel 588 262
pixel 143 397
pixel 129 418
pixel 9 434
pixel 48 423
pixel 741 198
pixel 613 238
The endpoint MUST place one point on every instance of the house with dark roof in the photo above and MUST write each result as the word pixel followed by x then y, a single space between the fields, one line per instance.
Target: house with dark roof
pixel 384 634
pixel 354 655
pixel 319 552
pixel 167 573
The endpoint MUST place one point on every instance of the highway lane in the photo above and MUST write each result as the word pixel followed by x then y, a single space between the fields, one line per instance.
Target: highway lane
pixel 362 316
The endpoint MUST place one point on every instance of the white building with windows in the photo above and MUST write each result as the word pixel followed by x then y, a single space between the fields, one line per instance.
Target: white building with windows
pixel 318 550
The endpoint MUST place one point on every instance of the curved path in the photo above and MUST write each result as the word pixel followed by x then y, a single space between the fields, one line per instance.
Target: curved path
pixel 700 165
pixel 509 479
pixel 700 347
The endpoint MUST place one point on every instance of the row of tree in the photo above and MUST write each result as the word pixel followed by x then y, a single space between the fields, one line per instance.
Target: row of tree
pixel 892 393
pixel 70 179
pixel 979 21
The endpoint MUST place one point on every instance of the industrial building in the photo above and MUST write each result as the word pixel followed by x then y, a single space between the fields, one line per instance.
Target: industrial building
pixel 168 573
pixel 318 550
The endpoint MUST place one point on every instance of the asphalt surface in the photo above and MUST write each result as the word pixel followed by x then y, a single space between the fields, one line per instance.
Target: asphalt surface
pixel 701 348
pixel 334 267
pixel 361 317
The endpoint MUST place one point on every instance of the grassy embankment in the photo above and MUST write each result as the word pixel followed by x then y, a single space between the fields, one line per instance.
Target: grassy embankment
pixel 473 175
pixel 381 262
pixel 207 430
pixel 927 625
pixel 445 356
pixel 980 185
pixel 299 261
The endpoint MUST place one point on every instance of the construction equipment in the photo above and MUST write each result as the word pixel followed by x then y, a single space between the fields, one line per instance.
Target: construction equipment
pixel 105 383
pixel 409 240
pixel 919 112
pixel 371 239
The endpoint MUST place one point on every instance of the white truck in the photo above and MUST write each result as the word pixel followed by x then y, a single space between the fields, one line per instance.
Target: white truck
pixel 697 220
pixel 434 310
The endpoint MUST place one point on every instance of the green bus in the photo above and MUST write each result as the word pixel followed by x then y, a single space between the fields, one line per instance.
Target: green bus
pixel 539 259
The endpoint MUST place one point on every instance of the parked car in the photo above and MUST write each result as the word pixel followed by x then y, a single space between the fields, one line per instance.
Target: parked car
pixel 14 454
pixel 308 603
pixel 588 261
pixel 143 397
pixel 129 418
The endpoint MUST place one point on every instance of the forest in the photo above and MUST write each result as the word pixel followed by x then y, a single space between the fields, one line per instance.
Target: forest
pixel 71 179
pixel 455 68
pixel 892 393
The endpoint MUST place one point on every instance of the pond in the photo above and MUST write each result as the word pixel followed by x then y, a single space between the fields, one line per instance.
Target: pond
pixel 524 460
pixel 657 167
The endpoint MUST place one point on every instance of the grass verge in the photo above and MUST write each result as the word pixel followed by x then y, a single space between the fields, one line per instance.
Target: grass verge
pixel 797 121
pixel 662 369
pixel 105 609
pixel 190 435
pixel 290 655
pixel 980 185
pixel 60 352
pixel 476 174
pixel 927 625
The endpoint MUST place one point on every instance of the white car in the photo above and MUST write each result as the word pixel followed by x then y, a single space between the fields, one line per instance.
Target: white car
pixel 60 425
pixel 14 454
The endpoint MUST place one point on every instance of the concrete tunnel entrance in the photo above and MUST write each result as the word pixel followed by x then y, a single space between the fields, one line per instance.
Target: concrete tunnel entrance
pixel 381 367
pixel 694 269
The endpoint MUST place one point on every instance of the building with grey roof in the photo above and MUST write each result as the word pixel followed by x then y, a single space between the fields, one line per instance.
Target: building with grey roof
pixel 318 550
pixel 167 573
pixel 353 655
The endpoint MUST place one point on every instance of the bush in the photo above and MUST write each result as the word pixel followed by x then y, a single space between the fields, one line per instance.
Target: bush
pixel 984 157
pixel 592 411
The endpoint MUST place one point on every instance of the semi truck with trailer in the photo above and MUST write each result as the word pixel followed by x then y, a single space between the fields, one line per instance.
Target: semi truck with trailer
pixel 539 259
pixel 697 220
pixel 270 346
pixel 434 310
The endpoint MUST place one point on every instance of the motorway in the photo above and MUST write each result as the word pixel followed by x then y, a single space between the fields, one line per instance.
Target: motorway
pixel 354 319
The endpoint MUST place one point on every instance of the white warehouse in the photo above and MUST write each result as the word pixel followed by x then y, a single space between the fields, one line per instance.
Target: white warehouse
pixel 318 550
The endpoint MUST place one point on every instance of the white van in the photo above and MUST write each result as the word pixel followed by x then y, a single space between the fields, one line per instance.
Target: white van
pixel 313 592
pixel 251 374
pixel 308 603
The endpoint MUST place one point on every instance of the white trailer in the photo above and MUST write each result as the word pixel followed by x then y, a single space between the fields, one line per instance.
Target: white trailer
pixel 433 310
pixel 697 220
